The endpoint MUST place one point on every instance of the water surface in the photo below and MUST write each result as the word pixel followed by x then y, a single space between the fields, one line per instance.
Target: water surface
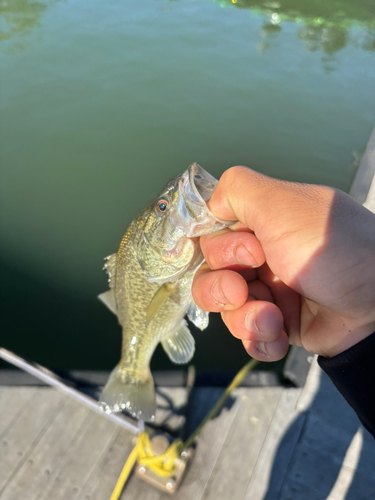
pixel 102 102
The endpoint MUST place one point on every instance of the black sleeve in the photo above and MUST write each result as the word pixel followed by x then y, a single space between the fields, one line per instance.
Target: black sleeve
pixel 353 373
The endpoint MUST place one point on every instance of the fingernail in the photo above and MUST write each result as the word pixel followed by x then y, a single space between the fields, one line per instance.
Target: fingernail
pixel 251 324
pixel 261 348
pixel 217 294
pixel 244 257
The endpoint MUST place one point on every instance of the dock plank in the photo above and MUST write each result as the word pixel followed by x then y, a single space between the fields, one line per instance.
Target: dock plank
pixel 239 455
pixel 170 419
pixel 103 478
pixel 21 437
pixel 317 470
pixel 295 456
pixel 297 491
pixel 207 452
pixel 278 447
pixel 167 417
pixel 365 173
pixel 138 489
pixel 330 405
pixel 172 415
pixel 12 405
pixel 209 447
pixel 326 437
pixel 35 474
pixel 93 438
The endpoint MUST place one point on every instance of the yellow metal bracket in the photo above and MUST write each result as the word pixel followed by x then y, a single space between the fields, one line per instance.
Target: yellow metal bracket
pixel 168 484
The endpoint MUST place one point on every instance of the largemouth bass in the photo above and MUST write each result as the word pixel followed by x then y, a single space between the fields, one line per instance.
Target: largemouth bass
pixel 150 280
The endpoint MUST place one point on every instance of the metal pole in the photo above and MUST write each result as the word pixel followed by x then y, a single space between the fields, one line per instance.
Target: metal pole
pixel 54 380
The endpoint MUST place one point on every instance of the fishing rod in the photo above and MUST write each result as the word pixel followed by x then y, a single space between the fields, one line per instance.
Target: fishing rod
pixel 50 378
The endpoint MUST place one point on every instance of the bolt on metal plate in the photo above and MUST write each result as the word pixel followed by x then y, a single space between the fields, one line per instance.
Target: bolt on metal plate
pixel 169 484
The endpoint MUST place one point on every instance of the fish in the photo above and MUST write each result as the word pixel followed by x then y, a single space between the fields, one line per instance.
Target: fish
pixel 150 279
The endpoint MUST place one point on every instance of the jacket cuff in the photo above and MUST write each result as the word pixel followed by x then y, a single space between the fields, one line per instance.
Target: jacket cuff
pixel 353 373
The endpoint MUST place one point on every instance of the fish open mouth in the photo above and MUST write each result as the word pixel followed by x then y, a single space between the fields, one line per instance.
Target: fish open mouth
pixel 201 182
pixel 197 187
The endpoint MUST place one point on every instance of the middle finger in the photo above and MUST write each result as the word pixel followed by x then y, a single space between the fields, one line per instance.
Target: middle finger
pixel 217 291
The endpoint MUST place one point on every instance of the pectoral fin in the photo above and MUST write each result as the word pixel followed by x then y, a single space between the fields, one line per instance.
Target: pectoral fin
pixel 108 298
pixel 179 346
pixel 197 316
pixel 158 300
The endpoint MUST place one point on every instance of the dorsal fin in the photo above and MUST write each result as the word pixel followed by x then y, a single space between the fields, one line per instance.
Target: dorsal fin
pixel 110 268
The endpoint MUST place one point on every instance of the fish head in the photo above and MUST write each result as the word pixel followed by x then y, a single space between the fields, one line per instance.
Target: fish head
pixel 172 224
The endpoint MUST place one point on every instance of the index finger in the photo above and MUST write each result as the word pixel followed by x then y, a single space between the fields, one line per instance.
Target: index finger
pixel 232 249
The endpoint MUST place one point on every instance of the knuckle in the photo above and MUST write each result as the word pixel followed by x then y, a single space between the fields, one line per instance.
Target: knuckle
pixel 232 173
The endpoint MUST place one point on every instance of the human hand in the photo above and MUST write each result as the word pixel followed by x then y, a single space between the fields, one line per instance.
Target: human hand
pixel 298 267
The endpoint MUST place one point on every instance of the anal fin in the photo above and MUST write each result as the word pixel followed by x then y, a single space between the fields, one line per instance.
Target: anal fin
pixel 179 346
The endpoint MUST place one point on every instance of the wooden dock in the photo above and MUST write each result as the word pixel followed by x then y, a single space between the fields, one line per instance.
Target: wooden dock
pixel 272 443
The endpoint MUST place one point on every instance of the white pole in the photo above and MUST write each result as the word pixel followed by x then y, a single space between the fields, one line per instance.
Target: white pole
pixel 53 380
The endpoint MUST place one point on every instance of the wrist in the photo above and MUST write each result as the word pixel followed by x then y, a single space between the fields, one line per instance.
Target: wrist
pixel 351 336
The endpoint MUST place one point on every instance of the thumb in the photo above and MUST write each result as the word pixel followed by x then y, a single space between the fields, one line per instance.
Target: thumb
pixel 267 205
pixel 245 195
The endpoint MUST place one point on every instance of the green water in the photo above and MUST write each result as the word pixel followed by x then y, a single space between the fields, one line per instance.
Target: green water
pixel 102 102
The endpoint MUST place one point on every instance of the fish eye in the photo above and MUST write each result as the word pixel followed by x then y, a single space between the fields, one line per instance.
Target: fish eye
pixel 162 205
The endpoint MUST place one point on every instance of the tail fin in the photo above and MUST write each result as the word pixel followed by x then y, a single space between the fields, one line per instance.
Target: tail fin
pixel 125 391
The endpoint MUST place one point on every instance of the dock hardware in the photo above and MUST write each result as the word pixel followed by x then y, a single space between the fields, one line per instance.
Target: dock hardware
pixel 169 484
